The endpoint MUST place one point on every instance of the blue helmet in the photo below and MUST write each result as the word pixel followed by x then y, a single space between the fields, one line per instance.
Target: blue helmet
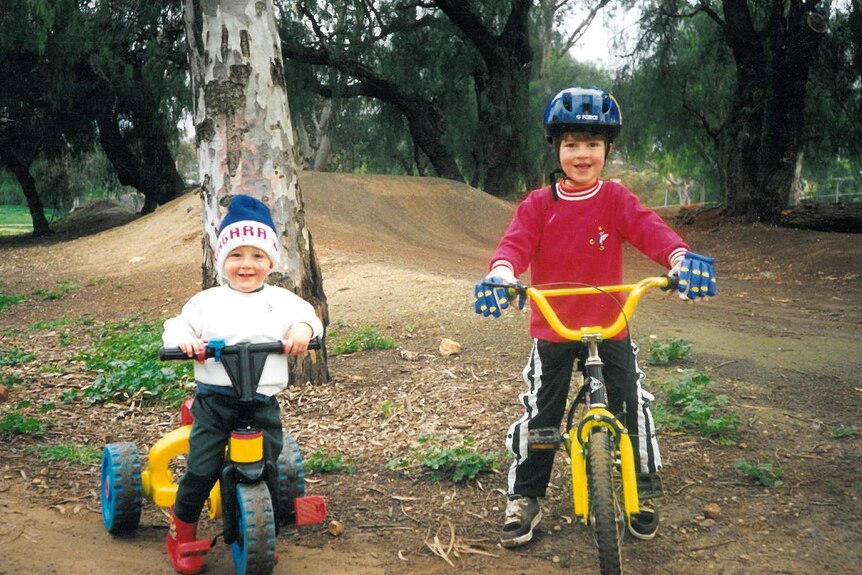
pixel 583 110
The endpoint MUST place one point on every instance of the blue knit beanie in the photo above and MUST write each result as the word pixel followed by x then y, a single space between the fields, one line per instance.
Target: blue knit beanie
pixel 248 222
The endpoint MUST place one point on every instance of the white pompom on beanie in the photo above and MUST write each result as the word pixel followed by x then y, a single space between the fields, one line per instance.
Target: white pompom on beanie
pixel 248 222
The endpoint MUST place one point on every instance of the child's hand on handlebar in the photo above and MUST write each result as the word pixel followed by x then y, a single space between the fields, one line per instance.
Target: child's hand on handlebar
pixel 296 342
pixel 192 348
pixel 490 300
pixel 696 276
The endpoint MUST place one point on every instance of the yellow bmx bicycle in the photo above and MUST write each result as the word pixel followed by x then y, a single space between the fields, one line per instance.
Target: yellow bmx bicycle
pixel 604 479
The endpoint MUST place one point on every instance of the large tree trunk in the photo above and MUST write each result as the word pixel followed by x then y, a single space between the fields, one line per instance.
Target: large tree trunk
pixel 245 142
pixel 28 186
pixel 762 141
pixel 502 90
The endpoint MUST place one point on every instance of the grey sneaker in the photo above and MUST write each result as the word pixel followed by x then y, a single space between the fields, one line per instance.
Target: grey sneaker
pixel 522 515
pixel 645 524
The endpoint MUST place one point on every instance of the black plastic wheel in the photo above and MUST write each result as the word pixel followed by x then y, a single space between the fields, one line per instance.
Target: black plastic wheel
pixel 254 549
pixel 121 490
pixel 606 515
pixel 291 479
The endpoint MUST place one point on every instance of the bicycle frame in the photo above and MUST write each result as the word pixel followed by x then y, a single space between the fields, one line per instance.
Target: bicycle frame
pixel 597 414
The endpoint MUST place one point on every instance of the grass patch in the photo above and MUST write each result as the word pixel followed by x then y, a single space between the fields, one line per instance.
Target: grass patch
pixel 843 432
pixel 125 357
pixel 692 406
pixel 61 290
pixel 341 339
pixel 320 461
pixel 446 457
pixel 765 473
pixel 668 351
pixel 71 452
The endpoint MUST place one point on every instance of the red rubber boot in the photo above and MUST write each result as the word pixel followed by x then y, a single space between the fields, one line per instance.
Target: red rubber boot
pixel 185 551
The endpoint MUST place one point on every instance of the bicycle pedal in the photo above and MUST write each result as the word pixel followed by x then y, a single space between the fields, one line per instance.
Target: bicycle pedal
pixel 544 439
pixel 310 509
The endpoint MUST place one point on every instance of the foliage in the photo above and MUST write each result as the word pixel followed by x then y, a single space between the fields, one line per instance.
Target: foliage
pixel 7 300
pixel 344 340
pixel 667 351
pixel 72 452
pixel 691 406
pixel 15 423
pixel 388 408
pixel 320 461
pixel 125 358
pixel 445 456
pixel 765 473
pixel 12 356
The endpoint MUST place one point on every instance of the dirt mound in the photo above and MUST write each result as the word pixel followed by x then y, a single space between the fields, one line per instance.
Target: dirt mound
pixel 94 216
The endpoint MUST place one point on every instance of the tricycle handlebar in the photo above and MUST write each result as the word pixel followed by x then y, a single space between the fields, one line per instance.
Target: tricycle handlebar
pixel 175 353
pixel 636 290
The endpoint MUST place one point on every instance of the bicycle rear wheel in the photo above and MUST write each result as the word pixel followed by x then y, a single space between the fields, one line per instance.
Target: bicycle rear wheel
pixel 606 514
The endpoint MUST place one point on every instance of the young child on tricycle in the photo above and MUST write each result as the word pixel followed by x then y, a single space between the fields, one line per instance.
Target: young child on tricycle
pixel 244 309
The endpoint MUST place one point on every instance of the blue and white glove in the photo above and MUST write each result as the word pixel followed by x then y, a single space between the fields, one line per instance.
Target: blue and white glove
pixel 696 276
pixel 490 300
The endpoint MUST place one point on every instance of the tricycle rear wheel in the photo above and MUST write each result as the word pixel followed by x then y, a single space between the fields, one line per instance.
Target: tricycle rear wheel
pixel 121 490
pixel 291 479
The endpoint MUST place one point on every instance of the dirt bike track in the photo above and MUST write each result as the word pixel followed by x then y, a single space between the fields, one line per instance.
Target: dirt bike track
pixel 783 340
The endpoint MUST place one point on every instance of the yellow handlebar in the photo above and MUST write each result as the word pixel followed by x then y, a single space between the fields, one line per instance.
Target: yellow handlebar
pixel 540 296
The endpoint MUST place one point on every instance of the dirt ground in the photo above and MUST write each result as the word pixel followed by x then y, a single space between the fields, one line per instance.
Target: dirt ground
pixel 783 340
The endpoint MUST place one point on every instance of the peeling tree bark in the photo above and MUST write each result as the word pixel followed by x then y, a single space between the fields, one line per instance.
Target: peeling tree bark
pixel 244 142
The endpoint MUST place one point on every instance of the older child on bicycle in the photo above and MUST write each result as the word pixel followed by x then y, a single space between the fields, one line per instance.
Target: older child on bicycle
pixel 573 232
pixel 243 310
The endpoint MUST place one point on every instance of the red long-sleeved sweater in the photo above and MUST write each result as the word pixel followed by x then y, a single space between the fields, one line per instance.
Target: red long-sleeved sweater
pixel 578 237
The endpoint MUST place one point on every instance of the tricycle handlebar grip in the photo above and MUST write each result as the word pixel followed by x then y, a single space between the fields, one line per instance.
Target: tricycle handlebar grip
pixel 167 353
pixel 314 343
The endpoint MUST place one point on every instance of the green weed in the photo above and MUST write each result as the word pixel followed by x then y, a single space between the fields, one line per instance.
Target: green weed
pixel 7 300
pixel 343 340
pixel 125 357
pixel 387 408
pixel 52 324
pixel 693 407
pixel 12 356
pixel 444 456
pixel 10 379
pixel 320 461
pixel 72 452
pixel 765 474
pixel 19 424
pixel 842 432
pixel 667 351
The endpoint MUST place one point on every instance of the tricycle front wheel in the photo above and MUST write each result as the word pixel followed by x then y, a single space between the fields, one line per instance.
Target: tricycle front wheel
pixel 254 549
pixel 121 490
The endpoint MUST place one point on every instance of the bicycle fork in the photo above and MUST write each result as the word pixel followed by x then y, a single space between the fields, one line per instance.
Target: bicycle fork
pixel 598 416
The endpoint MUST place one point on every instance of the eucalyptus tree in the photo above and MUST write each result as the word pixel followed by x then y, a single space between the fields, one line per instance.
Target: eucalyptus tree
pixel 133 85
pixel 245 145
pixel 757 126
pixel 38 48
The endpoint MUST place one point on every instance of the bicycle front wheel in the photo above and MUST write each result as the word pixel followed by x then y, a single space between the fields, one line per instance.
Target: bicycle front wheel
pixel 606 514
pixel 254 550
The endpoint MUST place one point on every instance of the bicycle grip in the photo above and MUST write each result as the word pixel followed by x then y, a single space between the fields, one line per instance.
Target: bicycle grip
pixel 168 353
pixel 672 283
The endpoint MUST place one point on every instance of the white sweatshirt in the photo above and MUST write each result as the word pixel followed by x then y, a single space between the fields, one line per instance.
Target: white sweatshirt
pixel 237 317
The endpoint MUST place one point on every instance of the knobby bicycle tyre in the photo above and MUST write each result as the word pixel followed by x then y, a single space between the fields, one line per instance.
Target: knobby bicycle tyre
pixel 254 551
pixel 605 515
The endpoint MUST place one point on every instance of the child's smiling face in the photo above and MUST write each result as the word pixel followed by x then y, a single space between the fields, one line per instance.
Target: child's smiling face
pixel 582 157
pixel 246 268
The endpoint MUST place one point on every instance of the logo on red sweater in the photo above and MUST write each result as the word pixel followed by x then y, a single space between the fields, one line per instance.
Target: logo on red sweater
pixel 599 238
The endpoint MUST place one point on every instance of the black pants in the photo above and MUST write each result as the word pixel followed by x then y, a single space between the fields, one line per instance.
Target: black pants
pixel 215 418
pixel 547 375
